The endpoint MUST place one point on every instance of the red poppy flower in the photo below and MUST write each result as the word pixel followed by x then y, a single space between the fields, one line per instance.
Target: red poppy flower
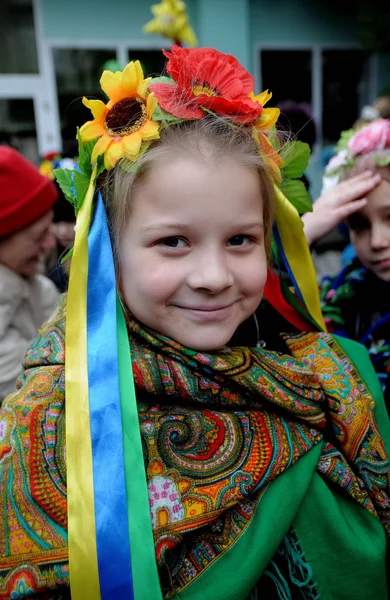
pixel 205 79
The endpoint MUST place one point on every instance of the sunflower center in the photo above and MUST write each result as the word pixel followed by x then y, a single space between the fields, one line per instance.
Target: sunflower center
pixel 203 87
pixel 126 116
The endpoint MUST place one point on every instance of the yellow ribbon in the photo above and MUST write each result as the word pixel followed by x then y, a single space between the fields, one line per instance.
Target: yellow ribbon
pixel 298 255
pixel 83 565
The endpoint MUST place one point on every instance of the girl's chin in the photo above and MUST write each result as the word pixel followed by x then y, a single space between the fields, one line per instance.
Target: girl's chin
pixel 202 342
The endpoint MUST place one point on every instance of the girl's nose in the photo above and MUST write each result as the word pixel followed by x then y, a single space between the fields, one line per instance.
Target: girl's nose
pixel 211 272
pixel 380 236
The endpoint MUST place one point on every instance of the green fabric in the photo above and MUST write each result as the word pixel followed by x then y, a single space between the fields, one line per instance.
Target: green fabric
pixel 143 558
pixel 346 547
pixel 340 574
pixel 233 576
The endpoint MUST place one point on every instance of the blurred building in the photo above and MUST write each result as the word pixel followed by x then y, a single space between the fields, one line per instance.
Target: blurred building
pixel 53 51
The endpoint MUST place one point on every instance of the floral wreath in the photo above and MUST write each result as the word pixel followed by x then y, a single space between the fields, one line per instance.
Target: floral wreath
pixel 372 138
pixel 201 81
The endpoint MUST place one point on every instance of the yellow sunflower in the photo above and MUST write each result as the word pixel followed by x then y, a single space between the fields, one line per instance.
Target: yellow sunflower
pixel 268 116
pixel 267 119
pixel 126 120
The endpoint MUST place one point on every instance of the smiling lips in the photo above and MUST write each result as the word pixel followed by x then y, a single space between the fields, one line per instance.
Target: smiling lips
pixel 382 264
pixel 209 313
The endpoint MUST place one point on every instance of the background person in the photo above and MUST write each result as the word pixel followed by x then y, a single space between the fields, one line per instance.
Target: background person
pixel 356 301
pixel 27 298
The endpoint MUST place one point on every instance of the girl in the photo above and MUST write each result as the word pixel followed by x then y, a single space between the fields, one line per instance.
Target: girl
pixel 356 302
pixel 220 469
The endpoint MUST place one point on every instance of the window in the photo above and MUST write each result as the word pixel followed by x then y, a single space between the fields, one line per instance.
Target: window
pixel 17 126
pixel 18 48
pixel 78 72
pixel 152 61
pixel 334 96
pixel 345 90
pixel 287 73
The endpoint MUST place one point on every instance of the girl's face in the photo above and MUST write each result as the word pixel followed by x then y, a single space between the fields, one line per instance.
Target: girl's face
pixel 370 231
pixel 192 258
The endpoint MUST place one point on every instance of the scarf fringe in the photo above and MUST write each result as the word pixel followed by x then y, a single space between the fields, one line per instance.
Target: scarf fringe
pixel 300 573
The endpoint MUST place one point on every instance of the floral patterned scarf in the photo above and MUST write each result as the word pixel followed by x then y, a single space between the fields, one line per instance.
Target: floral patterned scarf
pixel 218 431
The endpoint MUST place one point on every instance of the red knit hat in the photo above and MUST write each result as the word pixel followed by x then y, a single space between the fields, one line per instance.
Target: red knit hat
pixel 25 194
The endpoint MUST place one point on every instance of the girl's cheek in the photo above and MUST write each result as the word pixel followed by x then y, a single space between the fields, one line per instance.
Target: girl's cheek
pixel 160 281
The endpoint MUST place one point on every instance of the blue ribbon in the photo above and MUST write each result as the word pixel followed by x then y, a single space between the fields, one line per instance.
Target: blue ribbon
pixel 112 539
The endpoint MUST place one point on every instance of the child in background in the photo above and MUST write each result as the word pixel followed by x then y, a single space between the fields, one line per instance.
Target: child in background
pixel 356 302
pixel 199 464
pixel 64 221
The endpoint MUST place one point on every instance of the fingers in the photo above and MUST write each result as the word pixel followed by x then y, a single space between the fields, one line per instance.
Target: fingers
pixel 351 189
pixel 363 175
pixel 356 187
pixel 348 209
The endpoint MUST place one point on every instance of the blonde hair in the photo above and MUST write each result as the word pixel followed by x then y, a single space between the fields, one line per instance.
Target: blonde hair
pixel 208 139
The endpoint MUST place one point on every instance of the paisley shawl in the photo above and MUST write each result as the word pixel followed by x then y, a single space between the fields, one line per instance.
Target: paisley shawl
pixel 218 431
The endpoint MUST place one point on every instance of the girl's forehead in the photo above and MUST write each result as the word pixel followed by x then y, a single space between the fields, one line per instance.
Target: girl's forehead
pixel 189 178
pixel 193 192
pixel 378 200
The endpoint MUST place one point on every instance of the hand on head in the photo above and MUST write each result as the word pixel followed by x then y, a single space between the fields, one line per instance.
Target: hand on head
pixel 338 203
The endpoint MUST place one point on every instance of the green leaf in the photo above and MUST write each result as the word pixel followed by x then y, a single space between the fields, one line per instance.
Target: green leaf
pixel 297 194
pixel 160 115
pixel 130 166
pixel 64 179
pixel 100 165
pixel 66 256
pixel 382 161
pixel 85 153
pixel 296 157
pixel 340 169
pixel 344 139
pixel 81 183
pixel 162 79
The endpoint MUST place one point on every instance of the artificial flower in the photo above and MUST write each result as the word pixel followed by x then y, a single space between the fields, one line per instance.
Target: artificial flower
pixel 270 156
pixel 206 80
pixel 171 21
pixel 375 136
pixel 52 161
pixel 268 116
pixel 335 168
pixel 46 169
pixel 121 125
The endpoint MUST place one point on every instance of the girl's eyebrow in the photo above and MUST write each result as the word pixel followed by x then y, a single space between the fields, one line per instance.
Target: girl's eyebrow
pixel 175 226
pixel 256 225
pixel 164 226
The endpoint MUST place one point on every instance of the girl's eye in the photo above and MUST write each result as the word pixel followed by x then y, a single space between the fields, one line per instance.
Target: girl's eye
pixel 358 224
pixel 172 242
pixel 239 240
